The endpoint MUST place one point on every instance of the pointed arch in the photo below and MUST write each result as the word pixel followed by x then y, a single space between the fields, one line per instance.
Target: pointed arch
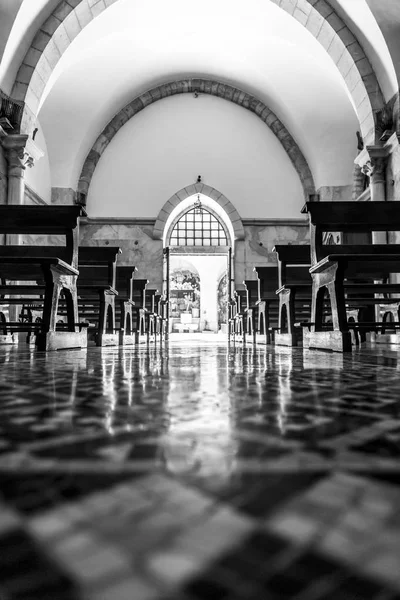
pixel 190 190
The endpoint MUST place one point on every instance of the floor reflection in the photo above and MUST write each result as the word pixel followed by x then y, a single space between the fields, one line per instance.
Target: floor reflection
pixel 208 441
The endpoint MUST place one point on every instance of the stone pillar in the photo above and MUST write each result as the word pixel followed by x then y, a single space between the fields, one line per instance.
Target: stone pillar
pixel 379 159
pixel 373 161
pixel 20 152
pixel 16 156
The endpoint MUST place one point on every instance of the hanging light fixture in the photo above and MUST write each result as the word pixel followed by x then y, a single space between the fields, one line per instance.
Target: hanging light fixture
pixel 198 208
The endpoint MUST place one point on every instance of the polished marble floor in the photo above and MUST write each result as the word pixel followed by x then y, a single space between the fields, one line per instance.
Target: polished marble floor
pixel 199 471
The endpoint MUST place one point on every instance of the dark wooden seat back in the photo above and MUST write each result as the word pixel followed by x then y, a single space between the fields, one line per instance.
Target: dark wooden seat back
pixel 139 292
pixel 97 265
pixel 294 262
pixel 43 220
pixel 157 303
pixel 150 299
pixel 351 217
pixel 241 300
pixel 124 280
pixel 251 286
pixel 267 281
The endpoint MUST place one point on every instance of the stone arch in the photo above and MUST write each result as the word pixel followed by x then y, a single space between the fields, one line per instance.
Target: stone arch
pixel 198 188
pixel 330 30
pixel 70 17
pixel 230 239
pixel 203 86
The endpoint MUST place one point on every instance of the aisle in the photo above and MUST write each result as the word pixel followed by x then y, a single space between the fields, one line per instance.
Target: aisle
pixel 199 471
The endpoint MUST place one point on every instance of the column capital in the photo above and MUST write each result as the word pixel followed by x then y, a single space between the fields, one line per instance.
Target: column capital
pixel 15 141
pixel 21 150
pixel 372 160
pixel 15 147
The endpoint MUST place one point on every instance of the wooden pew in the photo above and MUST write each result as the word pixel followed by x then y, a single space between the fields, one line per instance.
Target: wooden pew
pixel 55 266
pixel 151 314
pixel 139 297
pixel 161 308
pixel 163 311
pixel 360 264
pixel 96 292
pixel 295 297
pixel 267 304
pixel 158 316
pixel 251 310
pixel 240 296
pixel 294 292
pixel 232 308
pixel 125 305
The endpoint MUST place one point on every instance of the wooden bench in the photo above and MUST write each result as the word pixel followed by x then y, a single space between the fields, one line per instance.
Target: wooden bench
pixel 232 309
pixel 251 310
pixel 125 305
pixel 357 266
pixel 267 304
pixel 161 312
pixel 54 266
pixel 139 297
pixel 97 290
pixel 295 297
pixel 151 313
pixel 294 292
pixel 240 297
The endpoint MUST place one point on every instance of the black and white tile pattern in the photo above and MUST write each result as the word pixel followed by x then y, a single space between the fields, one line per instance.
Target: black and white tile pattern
pixel 199 471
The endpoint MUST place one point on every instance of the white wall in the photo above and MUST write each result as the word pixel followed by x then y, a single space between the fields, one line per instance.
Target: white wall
pixel 255 46
pixel 38 177
pixel 166 146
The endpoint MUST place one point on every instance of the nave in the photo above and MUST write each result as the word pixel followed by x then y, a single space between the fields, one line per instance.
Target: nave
pixel 198 471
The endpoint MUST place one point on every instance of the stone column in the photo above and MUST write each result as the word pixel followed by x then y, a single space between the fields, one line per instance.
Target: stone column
pixel 373 162
pixel 14 146
pixel 379 159
pixel 20 152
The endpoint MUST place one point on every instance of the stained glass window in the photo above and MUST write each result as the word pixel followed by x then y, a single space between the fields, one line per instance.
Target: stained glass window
pixel 198 227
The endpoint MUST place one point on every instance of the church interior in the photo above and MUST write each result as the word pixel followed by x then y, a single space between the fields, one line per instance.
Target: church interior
pixel 199 300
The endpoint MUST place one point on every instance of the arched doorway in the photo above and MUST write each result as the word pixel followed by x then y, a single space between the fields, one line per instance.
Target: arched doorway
pixel 184 297
pixel 198 237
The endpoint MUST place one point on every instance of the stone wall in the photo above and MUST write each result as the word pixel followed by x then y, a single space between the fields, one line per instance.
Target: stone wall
pixel 260 238
pixel 135 238
pixel 140 249
pixel 137 244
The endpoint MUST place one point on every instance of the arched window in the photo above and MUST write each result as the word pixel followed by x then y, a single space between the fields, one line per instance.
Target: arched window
pixel 198 227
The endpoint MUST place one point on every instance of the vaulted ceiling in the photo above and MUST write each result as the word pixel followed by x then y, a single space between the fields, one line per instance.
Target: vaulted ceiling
pixel 283 53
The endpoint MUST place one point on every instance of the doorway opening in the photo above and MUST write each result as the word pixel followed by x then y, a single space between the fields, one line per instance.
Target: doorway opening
pixel 198 253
